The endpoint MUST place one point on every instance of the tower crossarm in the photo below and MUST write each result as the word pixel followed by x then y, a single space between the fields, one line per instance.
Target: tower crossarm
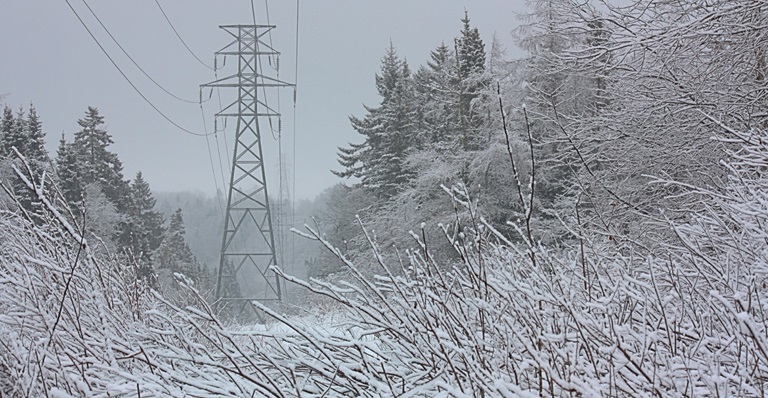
pixel 248 250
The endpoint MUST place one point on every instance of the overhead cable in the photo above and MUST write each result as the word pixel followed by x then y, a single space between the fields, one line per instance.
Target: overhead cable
pixel 269 33
pixel 126 77
pixel 210 157
pixel 293 165
pixel 132 60
pixel 261 75
pixel 179 36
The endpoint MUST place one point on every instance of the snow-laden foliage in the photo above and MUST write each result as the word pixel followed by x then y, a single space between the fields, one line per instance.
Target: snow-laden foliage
pixel 619 88
pixel 74 322
pixel 608 317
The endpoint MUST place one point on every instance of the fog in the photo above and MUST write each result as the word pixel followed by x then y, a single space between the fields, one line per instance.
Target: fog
pixel 51 61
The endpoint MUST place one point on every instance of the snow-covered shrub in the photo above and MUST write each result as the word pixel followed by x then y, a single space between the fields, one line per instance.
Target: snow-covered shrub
pixel 609 317
pixel 74 322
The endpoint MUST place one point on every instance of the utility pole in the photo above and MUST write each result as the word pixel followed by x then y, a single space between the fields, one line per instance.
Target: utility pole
pixel 248 242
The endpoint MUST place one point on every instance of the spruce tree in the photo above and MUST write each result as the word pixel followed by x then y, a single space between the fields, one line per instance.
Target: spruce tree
pixel 471 51
pixel 34 148
pixel 68 174
pixel 437 86
pixel 230 286
pixel 471 67
pixel 6 124
pixel 141 232
pixel 26 136
pixel 13 132
pixel 143 204
pixel 96 163
pixel 389 132
pixel 23 133
pixel 174 253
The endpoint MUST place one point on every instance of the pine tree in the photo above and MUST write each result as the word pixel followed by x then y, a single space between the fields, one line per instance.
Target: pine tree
pixel 389 131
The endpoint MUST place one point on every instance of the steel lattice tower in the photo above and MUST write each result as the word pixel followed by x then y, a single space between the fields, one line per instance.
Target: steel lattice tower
pixel 248 242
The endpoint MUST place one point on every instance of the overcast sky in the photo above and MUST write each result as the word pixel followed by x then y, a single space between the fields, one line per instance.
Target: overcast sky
pixel 49 59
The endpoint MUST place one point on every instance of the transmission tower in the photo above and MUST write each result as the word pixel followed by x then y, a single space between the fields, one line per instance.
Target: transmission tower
pixel 248 243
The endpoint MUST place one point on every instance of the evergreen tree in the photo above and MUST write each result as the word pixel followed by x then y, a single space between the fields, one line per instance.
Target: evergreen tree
pixel 68 174
pixel 470 52
pixel 175 256
pixel 96 163
pixel 174 253
pixel 13 131
pixel 34 146
pixel 230 286
pixel 437 86
pixel 389 131
pixel 142 230
pixel 6 124
pixel 26 135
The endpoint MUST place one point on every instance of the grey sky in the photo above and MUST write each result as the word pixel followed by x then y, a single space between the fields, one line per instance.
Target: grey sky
pixel 49 59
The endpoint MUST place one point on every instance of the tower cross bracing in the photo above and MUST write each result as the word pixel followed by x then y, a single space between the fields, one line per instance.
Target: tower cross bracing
pixel 248 248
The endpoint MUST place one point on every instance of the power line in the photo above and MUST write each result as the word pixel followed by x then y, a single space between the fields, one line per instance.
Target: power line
pixel 200 101
pixel 210 157
pixel 261 68
pixel 253 12
pixel 126 77
pixel 269 33
pixel 179 36
pixel 131 58
pixel 218 153
pixel 218 94
pixel 296 55
pixel 293 168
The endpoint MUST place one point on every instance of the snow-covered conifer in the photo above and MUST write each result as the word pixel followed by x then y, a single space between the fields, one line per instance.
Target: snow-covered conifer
pixel 141 230
pixel 389 131
pixel 96 163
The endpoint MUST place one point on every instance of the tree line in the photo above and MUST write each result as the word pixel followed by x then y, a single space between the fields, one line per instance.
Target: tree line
pixel 433 128
pixel 102 203
pixel 604 103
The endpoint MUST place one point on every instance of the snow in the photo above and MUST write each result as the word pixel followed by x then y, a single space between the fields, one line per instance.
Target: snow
pixel 507 318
